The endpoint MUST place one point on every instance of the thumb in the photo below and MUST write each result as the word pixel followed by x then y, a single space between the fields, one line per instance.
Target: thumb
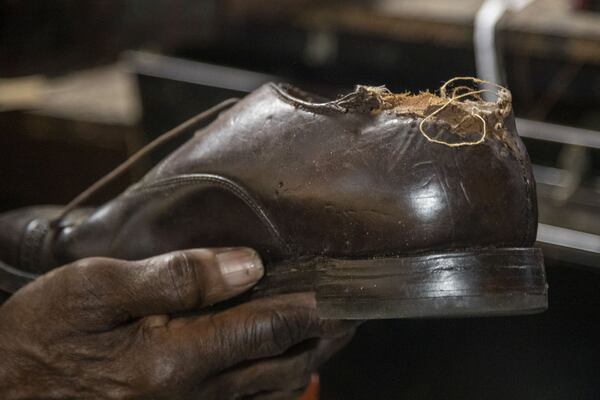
pixel 173 282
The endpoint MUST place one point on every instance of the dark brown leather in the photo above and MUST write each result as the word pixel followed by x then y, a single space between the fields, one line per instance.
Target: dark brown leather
pixel 21 236
pixel 294 178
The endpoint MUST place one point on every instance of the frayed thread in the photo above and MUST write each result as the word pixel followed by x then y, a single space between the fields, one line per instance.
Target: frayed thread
pixel 460 97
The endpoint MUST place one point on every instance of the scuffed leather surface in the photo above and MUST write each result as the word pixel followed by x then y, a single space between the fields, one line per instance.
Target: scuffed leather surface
pixel 353 184
pixel 13 226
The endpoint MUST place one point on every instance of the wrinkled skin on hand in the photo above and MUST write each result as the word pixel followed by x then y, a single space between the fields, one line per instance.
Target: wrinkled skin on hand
pixel 105 329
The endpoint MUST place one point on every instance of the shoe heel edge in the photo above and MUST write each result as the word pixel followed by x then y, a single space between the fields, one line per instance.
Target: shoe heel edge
pixel 481 282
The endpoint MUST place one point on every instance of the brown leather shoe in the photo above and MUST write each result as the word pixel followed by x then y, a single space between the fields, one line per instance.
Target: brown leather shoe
pixel 386 205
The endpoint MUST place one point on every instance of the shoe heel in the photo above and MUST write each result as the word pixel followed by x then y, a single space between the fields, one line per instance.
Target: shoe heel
pixel 482 282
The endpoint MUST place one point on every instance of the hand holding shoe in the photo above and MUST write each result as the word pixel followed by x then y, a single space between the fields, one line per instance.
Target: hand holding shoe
pixel 104 328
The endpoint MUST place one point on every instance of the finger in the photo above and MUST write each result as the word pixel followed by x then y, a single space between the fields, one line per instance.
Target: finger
pixel 261 328
pixel 328 347
pixel 290 371
pixel 177 281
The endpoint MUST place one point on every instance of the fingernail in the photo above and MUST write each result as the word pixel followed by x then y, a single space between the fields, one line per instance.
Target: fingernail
pixel 240 267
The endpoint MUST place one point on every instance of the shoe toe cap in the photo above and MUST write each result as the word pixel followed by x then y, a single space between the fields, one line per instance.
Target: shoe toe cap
pixel 13 226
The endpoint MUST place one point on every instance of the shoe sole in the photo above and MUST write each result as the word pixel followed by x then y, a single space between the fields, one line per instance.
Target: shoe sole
pixel 482 282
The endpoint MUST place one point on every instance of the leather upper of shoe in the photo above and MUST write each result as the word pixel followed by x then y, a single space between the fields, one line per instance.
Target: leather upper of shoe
pixel 18 237
pixel 293 177
pixel 25 236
